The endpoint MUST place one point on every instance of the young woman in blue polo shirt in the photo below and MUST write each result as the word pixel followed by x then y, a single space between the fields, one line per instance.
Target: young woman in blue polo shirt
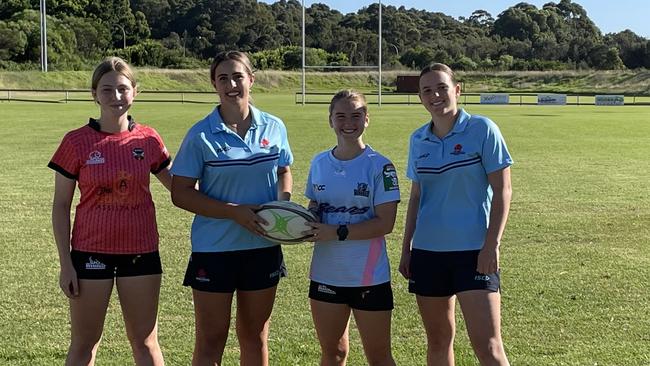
pixel 460 197
pixel 233 160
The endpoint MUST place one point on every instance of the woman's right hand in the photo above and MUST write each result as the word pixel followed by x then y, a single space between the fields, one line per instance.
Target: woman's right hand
pixel 245 216
pixel 405 264
pixel 68 281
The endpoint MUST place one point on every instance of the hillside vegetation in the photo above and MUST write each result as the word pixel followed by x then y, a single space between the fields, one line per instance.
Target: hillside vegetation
pixel 624 82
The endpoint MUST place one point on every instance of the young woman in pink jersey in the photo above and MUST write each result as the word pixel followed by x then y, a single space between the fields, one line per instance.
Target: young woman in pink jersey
pixel 114 240
pixel 354 190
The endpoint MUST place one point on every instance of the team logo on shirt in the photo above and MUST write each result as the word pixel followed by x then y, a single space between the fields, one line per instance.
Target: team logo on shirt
pixel 458 150
pixel 362 190
pixel 390 178
pixel 264 144
pixel 94 264
pixel 138 153
pixel 94 158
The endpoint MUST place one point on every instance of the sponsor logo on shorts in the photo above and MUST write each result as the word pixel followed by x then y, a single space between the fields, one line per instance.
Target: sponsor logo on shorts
pixel 95 158
pixel 275 274
pixel 364 293
pixel 326 290
pixel 318 187
pixel 202 275
pixel 94 264
pixel 481 278
pixel 362 190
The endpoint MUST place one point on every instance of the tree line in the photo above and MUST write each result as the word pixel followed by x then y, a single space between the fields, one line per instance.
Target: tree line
pixel 187 33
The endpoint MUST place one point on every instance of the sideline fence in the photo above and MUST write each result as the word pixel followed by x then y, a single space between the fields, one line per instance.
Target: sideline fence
pixel 469 98
pixel 180 96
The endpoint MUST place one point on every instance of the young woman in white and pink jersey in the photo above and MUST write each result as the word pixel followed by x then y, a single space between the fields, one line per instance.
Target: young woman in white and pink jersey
pixel 355 192
pixel 114 239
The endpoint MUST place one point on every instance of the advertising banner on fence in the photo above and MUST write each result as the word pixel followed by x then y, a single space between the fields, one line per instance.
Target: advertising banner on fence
pixel 495 98
pixel 551 99
pixel 610 100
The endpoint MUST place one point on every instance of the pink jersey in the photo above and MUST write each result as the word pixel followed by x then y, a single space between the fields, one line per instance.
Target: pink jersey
pixel 115 214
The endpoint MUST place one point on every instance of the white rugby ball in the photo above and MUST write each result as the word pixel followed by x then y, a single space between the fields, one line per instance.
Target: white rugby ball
pixel 286 221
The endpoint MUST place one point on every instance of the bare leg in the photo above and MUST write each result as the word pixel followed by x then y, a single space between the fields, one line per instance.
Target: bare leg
pixel 253 318
pixel 331 322
pixel 482 313
pixel 87 314
pixel 212 320
pixel 374 328
pixel 440 325
pixel 139 301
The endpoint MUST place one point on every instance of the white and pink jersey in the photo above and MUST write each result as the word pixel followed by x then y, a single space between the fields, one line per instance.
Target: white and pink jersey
pixel 347 192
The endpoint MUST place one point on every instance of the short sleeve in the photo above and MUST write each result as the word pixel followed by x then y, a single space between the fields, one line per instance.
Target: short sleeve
pixel 66 159
pixel 162 158
pixel 189 159
pixel 386 184
pixel 286 156
pixel 410 168
pixel 494 155
pixel 309 187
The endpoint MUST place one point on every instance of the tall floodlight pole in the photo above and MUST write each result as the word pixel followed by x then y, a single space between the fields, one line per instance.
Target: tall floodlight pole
pixel 43 36
pixel 379 83
pixel 303 53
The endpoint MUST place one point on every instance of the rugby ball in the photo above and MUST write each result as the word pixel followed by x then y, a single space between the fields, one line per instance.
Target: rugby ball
pixel 286 221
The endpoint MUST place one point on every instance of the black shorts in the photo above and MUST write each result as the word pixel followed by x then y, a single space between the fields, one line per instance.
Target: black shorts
pixel 246 270
pixel 442 274
pixel 101 266
pixel 369 298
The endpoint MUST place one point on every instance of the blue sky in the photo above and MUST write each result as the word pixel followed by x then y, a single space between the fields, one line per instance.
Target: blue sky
pixel 609 16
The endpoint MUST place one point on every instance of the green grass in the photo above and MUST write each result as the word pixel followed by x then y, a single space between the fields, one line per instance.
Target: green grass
pixel 575 252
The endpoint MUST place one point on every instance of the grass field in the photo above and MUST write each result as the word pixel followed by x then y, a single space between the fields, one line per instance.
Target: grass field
pixel 575 257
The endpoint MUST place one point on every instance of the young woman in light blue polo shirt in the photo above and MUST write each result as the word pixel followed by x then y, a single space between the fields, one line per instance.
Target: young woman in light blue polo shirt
pixel 460 197
pixel 233 160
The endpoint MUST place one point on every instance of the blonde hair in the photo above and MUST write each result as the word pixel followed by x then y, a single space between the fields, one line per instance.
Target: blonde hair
pixel 351 95
pixel 238 56
pixel 439 67
pixel 112 64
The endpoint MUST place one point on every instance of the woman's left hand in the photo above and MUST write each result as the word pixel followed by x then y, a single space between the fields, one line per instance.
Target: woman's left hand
pixel 488 260
pixel 321 232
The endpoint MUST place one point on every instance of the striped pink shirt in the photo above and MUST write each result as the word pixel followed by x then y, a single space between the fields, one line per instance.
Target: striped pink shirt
pixel 115 213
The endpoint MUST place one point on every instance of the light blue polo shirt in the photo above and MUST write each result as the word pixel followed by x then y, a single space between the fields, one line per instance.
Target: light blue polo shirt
pixel 347 192
pixel 455 196
pixel 232 169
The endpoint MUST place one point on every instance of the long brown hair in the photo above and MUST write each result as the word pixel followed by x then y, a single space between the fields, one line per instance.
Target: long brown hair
pixel 112 64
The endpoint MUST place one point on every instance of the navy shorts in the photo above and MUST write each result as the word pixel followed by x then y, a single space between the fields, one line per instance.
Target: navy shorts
pixel 225 272
pixel 101 266
pixel 441 274
pixel 369 298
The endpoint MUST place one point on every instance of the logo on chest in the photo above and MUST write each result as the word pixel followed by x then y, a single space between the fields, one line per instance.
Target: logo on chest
pixel 458 150
pixel 362 190
pixel 95 158
pixel 265 144
pixel 138 153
